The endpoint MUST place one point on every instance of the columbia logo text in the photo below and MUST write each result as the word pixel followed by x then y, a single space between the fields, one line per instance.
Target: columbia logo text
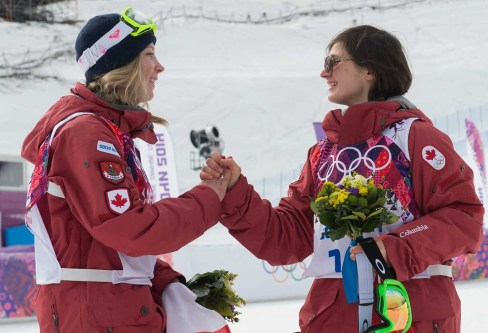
pixel 417 229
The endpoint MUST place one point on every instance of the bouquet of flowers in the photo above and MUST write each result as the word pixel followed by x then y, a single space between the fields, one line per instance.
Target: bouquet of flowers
pixel 352 207
pixel 214 291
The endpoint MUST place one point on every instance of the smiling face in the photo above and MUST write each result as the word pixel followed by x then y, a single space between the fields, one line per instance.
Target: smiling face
pixel 348 83
pixel 151 68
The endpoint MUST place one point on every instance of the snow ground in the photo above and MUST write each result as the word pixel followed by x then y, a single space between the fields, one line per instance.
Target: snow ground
pixel 282 316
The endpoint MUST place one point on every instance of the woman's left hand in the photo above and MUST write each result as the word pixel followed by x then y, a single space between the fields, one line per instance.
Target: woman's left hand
pixel 358 249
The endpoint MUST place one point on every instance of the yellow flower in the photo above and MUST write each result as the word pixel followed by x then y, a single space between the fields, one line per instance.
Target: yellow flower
pixel 350 196
pixel 363 191
pixel 327 188
pixel 356 183
pixel 321 198
pixel 337 198
pixel 342 196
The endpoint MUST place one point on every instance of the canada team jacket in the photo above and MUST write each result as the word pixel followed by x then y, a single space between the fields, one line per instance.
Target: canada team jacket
pixel 88 228
pixel 441 214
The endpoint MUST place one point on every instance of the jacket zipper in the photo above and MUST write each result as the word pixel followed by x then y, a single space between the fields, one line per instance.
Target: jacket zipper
pixel 55 320
pixel 436 328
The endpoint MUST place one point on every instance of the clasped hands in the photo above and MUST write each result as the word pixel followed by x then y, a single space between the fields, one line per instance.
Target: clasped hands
pixel 220 174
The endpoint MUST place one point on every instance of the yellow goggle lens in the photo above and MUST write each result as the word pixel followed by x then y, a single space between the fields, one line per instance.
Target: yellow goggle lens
pixel 397 309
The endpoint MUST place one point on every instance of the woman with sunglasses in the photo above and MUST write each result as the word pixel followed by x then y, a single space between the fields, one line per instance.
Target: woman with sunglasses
pixel 378 134
pixel 90 206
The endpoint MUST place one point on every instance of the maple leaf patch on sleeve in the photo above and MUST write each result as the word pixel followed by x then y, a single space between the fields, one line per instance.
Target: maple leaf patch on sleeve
pixel 118 200
pixel 433 157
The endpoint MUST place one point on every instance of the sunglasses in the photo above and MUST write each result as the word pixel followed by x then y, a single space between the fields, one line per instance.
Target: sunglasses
pixel 392 306
pixel 139 22
pixel 330 62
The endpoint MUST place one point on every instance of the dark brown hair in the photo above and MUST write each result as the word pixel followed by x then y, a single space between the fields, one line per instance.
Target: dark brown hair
pixel 380 52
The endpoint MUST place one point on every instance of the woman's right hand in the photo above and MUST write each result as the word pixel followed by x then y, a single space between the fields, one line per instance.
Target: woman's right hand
pixel 219 185
pixel 215 166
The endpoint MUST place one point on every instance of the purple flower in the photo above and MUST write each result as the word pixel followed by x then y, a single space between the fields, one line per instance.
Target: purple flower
pixel 340 186
pixel 354 191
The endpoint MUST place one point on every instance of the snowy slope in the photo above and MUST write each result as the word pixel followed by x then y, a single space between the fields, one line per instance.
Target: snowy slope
pixel 258 83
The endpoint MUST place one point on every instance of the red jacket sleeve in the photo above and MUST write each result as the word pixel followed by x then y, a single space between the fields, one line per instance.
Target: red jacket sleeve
pixel 163 275
pixel 280 235
pixel 161 227
pixel 451 214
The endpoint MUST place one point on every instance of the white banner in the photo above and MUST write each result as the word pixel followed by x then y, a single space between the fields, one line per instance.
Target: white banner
pixel 159 163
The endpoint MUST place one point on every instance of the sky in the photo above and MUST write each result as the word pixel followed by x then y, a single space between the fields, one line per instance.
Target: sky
pixel 258 84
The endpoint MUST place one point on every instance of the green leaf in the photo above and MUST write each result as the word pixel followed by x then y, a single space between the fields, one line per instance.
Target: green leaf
pixel 376 212
pixel 214 291
pixel 327 218
pixel 360 214
pixel 392 218
pixel 337 233
pixel 362 202
pixel 372 194
pixel 201 291
pixel 217 284
pixel 350 217
pixel 370 225
pixel 378 203
pixel 314 206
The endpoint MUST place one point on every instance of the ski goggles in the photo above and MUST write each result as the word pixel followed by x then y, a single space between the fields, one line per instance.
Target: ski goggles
pixel 132 22
pixel 139 22
pixel 392 306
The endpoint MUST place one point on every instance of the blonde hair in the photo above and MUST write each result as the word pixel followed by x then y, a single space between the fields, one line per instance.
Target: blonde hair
pixel 125 85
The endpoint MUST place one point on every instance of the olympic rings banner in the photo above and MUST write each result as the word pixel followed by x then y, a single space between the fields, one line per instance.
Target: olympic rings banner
pixel 282 274
pixel 256 279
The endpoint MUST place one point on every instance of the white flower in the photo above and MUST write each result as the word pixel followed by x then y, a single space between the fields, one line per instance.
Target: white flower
pixel 361 180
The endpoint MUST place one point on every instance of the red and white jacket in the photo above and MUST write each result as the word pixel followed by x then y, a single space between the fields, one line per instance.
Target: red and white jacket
pixel 102 220
pixel 441 216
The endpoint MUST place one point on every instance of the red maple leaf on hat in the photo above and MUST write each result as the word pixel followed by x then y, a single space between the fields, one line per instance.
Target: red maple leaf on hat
pixel 430 154
pixel 119 201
